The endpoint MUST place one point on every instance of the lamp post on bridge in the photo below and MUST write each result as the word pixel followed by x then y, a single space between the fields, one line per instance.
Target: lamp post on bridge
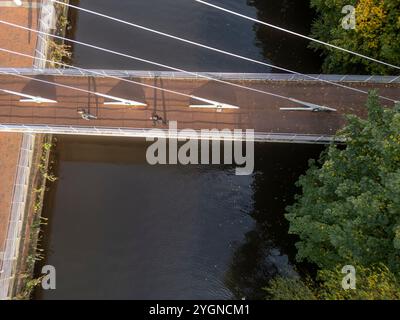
pixel 18 2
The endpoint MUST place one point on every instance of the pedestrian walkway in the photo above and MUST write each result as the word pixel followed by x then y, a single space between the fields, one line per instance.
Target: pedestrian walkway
pixel 10 143
pixel 264 114
pixel 15 39
pixel 9 151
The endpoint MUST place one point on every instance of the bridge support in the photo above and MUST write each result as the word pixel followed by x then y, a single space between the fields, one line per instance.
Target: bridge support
pixel 120 101
pixel 308 107
pixel 210 104
pixel 29 98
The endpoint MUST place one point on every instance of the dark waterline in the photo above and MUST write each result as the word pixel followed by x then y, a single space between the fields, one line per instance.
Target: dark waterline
pixel 120 228
pixel 196 22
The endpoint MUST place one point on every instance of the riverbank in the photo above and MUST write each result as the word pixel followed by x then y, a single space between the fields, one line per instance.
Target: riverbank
pixel 25 212
pixel 54 21
pixel 29 249
pixel 24 158
pixel 10 144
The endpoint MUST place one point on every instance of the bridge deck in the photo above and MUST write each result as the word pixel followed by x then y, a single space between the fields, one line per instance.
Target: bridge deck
pixel 257 111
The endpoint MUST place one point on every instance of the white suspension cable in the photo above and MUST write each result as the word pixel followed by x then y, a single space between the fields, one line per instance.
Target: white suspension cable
pixel 99 73
pixel 153 63
pixel 209 102
pixel 159 64
pixel 212 48
pixel 297 34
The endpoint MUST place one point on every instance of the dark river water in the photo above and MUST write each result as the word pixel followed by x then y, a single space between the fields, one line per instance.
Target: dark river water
pixel 120 228
pixel 196 22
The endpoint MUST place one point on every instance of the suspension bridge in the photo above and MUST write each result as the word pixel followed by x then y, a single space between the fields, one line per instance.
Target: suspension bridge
pixel 288 106
pixel 122 102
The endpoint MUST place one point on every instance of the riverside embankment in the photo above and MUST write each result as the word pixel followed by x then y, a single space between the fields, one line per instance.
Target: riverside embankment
pixel 23 157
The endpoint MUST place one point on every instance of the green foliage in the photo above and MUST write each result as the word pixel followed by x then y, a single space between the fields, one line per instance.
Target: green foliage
pixel 349 210
pixel 373 283
pixel 377 35
pixel 29 287
pixel 58 53
pixel 281 288
pixel 47 146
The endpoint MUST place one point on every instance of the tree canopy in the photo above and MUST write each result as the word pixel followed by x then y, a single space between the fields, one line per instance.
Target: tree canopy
pixel 349 209
pixel 377 35
pixel 373 283
pixel 348 213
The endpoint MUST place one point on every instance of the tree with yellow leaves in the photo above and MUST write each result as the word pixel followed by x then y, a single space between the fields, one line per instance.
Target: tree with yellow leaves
pixel 377 34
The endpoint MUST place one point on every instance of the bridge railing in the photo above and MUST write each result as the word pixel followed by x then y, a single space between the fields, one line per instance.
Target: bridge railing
pixel 160 133
pixel 219 75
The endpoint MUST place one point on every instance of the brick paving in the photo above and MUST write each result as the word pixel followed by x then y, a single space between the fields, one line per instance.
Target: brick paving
pixel 9 153
pixel 17 39
pixel 25 42
pixel 257 111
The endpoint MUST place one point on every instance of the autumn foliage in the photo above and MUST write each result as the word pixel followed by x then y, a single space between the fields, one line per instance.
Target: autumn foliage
pixel 377 35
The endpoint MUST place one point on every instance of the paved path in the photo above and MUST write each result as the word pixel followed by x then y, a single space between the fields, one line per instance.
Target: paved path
pixel 257 111
pixel 17 39
pixel 25 4
pixel 9 152
pixel 10 143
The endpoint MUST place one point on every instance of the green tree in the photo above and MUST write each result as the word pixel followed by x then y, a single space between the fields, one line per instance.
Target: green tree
pixel 377 35
pixel 284 288
pixel 349 209
pixel 376 282
pixel 372 283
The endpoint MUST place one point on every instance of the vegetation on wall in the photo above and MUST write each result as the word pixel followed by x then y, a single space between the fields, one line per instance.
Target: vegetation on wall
pixel 58 51
pixel 27 282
